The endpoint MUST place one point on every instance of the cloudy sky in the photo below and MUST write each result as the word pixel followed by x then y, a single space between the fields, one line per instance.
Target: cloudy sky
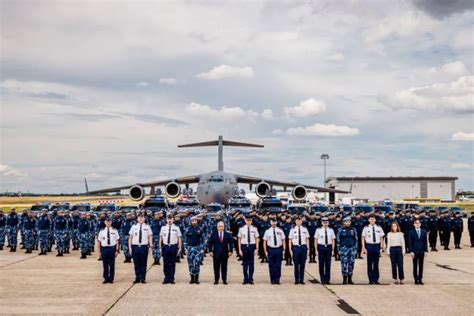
pixel 107 90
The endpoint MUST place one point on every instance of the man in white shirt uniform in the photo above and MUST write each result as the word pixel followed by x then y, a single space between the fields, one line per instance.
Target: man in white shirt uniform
pixel 108 245
pixel 372 245
pixel 170 241
pixel 299 241
pixel 248 247
pixel 139 241
pixel 324 244
pixel 274 246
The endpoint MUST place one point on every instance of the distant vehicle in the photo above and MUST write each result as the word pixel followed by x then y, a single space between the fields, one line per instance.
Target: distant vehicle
pixel 213 207
pixel 319 208
pixel 270 204
pixel 400 206
pixel 412 206
pixel 347 209
pixel 105 208
pixel 456 209
pixel 60 207
pixel 384 208
pixel 441 209
pixel 364 208
pixel 187 201
pixel 239 203
pixel 155 203
pixel 39 207
pixel 298 208
pixel 81 207
pixel 127 208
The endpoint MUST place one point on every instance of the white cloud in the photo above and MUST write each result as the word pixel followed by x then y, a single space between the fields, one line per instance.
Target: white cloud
pixel 322 130
pixel 463 136
pixel 6 170
pixel 225 71
pixel 267 114
pixel 142 84
pixel 455 68
pixel 455 96
pixel 310 107
pixel 224 113
pixel 336 57
pixel 169 81
pixel 460 165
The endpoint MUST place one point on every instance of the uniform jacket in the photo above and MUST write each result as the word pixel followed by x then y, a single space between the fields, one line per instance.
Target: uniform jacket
pixel 418 245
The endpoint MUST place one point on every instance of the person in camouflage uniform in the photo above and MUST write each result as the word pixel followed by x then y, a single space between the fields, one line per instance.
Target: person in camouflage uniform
pixel 347 247
pixel 44 228
pixel 194 236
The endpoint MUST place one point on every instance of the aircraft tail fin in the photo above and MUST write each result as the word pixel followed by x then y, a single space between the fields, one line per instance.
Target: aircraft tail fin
pixel 220 142
pixel 87 187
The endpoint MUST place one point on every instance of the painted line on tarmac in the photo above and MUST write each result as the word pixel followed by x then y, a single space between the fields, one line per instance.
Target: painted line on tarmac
pixel 341 303
pixel 12 263
pixel 123 294
pixel 448 267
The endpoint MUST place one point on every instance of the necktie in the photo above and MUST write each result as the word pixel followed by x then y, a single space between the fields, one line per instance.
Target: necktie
pixel 325 236
pixel 299 236
pixel 418 231
pixel 169 236
pixel 373 234
pixel 248 234
pixel 220 236
pixel 140 235
pixel 274 238
pixel 108 237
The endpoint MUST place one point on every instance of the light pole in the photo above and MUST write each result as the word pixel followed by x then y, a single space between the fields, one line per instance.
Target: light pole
pixel 324 157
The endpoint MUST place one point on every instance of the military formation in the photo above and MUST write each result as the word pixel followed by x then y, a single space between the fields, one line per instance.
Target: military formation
pixel 194 233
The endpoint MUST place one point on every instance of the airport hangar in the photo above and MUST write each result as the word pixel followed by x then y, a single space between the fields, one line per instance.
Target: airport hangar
pixel 394 188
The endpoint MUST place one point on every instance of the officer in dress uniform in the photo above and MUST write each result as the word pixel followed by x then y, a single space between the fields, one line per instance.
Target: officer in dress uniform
pixel 194 237
pixel 3 225
pixel 248 240
pixel 359 224
pixel 324 243
pixel 286 227
pixel 109 246
pixel 446 227
pixel 299 240
pixel 458 228
pixel 433 225
pixel 372 245
pixel 347 245
pixel 274 247
pixel 139 241
pixel 170 241
pixel 12 226
pixel 311 225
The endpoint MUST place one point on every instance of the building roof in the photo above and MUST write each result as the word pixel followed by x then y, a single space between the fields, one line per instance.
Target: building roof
pixel 350 179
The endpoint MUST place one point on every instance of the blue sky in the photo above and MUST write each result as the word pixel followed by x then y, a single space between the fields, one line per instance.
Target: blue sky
pixel 107 90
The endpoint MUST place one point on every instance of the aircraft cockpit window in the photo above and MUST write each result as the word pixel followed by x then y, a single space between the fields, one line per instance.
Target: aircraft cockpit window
pixel 216 180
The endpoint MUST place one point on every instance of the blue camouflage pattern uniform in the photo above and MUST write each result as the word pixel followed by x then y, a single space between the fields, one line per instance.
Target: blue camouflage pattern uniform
pixel 84 227
pixel 194 236
pixel 59 228
pixel 347 245
pixel 155 226
pixel 29 228
pixel 44 228
pixel 75 232
pixel 12 227
pixel 3 225
pixel 127 224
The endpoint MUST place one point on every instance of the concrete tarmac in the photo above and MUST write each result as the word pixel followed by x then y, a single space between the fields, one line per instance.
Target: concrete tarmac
pixel 68 285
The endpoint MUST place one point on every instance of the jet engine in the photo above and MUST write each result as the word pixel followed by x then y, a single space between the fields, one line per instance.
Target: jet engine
pixel 262 188
pixel 137 192
pixel 299 193
pixel 173 190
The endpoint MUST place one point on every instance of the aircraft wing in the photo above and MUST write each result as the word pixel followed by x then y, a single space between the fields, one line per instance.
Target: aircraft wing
pixel 182 180
pixel 283 184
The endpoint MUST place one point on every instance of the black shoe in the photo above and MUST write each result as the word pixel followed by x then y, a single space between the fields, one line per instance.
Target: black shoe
pixel 99 259
pixel 164 282
pixel 421 282
pixel 296 282
pixel 446 248
pixel 192 281
pixel 417 282
pixel 136 281
pixel 1 247
pixel 172 282
pixel 155 263
pixel 371 282
pixel 344 279
pixel 42 253
pixel 245 282
pixel 434 249
pixel 302 283
pixel 59 255
pixel 224 282
pixel 328 283
pixel 251 282
pixel 105 282
pixel 111 282
pixel 143 282
pixel 83 256
pixel 216 282
pixel 377 282
pixel 349 279
pixel 196 279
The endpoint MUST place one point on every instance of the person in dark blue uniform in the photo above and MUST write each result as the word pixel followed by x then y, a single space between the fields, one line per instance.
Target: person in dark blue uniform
pixel 194 237
pixel 347 241
pixel 3 225
pixel 446 227
pixel 324 238
pixel 359 223
pixel 29 231
pixel 286 226
pixel 433 227
pixel 127 224
pixel 12 226
pixel 59 228
pixel 458 228
pixel 311 225
pixel 470 228
pixel 84 228
pixel 418 249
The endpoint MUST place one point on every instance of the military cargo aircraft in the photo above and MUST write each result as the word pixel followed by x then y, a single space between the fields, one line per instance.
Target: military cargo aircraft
pixel 217 186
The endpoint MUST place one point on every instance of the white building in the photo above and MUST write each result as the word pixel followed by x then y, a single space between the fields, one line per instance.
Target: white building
pixel 395 188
